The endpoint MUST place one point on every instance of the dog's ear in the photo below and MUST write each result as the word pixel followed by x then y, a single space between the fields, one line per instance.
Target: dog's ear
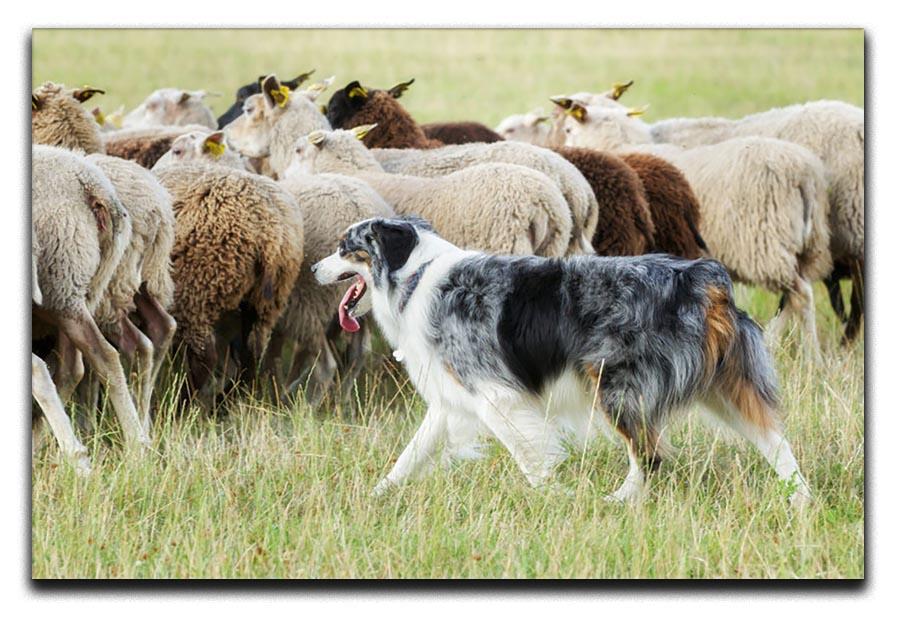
pixel 397 239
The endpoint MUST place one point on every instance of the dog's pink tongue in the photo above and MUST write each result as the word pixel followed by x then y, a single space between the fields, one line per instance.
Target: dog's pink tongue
pixel 348 323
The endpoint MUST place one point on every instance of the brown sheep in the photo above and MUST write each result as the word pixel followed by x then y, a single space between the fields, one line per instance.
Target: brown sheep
pixel 461 132
pixel 673 206
pixel 238 250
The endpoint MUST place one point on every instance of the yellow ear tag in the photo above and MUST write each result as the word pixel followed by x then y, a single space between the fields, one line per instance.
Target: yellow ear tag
pixel 576 112
pixel 215 149
pixel 358 91
pixel 281 96
pixel 99 117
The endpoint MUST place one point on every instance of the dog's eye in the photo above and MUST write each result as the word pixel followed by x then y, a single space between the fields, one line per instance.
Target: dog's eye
pixel 370 239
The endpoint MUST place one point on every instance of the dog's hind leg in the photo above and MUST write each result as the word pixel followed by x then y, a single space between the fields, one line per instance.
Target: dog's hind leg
pixel 419 455
pixel 751 418
pixel 642 442
pixel 530 438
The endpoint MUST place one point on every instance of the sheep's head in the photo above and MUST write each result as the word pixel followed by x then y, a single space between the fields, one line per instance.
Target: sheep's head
pixel 248 90
pixel 204 146
pixel 172 106
pixel 608 98
pixel 341 150
pixel 252 132
pixel 59 119
pixel 533 127
pixel 601 127
pixel 352 98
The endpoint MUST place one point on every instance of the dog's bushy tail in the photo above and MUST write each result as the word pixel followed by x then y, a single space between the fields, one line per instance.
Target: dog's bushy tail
pixel 740 365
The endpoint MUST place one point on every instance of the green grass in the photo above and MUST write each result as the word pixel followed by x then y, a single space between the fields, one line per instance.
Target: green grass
pixel 282 492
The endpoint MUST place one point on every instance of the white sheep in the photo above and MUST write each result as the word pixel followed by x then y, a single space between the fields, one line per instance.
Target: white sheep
pixel 206 146
pixel 82 232
pixel 44 392
pixel 436 162
pixel 171 106
pixel 832 130
pixel 493 207
pixel 764 205
pixel 274 120
pixel 142 283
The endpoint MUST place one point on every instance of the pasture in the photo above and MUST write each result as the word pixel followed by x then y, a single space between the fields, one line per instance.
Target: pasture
pixel 271 491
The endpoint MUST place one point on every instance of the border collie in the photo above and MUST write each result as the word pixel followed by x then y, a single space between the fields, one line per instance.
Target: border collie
pixel 540 351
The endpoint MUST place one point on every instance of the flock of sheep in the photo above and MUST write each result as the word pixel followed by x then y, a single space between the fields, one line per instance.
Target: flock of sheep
pixel 165 225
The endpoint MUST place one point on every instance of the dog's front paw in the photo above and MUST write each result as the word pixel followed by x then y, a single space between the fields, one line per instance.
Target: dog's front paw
pixel 382 487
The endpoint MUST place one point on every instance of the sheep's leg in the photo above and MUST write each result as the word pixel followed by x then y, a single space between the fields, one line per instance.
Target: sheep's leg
pixel 354 358
pixel 102 356
pixel 139 350
pixel 857 300
pixel 807 314
pixel 201 365
pixel 160 327
pixel 44 391
pixel 318 371
pixel 833 285
pixel 70 370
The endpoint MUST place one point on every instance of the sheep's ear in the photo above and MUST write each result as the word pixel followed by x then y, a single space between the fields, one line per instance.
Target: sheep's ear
pixel 361 131
pixel 184 98
pixel 573 108
pixel 313 91
pixel 276 94
pixel 538 119
pixel 619 88
pixel 214 144
pixel 316 138
pixel 293 83
pixel 398 90
pixel 98 116
pixel 633 112
pixel 36 102
pixel 324 109
pixel 83 94
pixel 355 90
pixel 116 117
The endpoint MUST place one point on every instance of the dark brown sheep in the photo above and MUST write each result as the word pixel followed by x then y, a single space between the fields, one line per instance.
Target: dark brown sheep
pixel 625 224
pixel 355 105
pixel 673 206
pixel 461 132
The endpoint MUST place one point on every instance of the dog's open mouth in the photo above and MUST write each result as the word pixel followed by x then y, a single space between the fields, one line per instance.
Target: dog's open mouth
pixel 348 303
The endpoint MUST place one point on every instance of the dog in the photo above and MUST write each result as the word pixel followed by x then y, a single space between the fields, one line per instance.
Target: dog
pixel 538 352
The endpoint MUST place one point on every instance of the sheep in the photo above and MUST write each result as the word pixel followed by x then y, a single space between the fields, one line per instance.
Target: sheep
pixel 58 118
pixel 274 120
pixel 208 146
pixel 248 90
pixel 835 132
pixel 330 203
pixel 578 193
pixel 763 202
pixel 43 390
pixel 82 232
pixel 145 145
pixel 493 207
pixel 460 132
pixel 142 283
pixel 673 206
pixel 237 253
pixel 355 105
pixel 171 106
pixel 402 132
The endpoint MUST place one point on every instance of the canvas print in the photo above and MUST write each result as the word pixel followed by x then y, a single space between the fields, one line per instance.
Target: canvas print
pixel 448 304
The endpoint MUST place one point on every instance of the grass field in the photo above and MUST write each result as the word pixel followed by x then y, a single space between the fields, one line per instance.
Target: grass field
pixel 283 492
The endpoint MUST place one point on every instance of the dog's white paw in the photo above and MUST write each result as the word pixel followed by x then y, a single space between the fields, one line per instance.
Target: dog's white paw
pixel 382 487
